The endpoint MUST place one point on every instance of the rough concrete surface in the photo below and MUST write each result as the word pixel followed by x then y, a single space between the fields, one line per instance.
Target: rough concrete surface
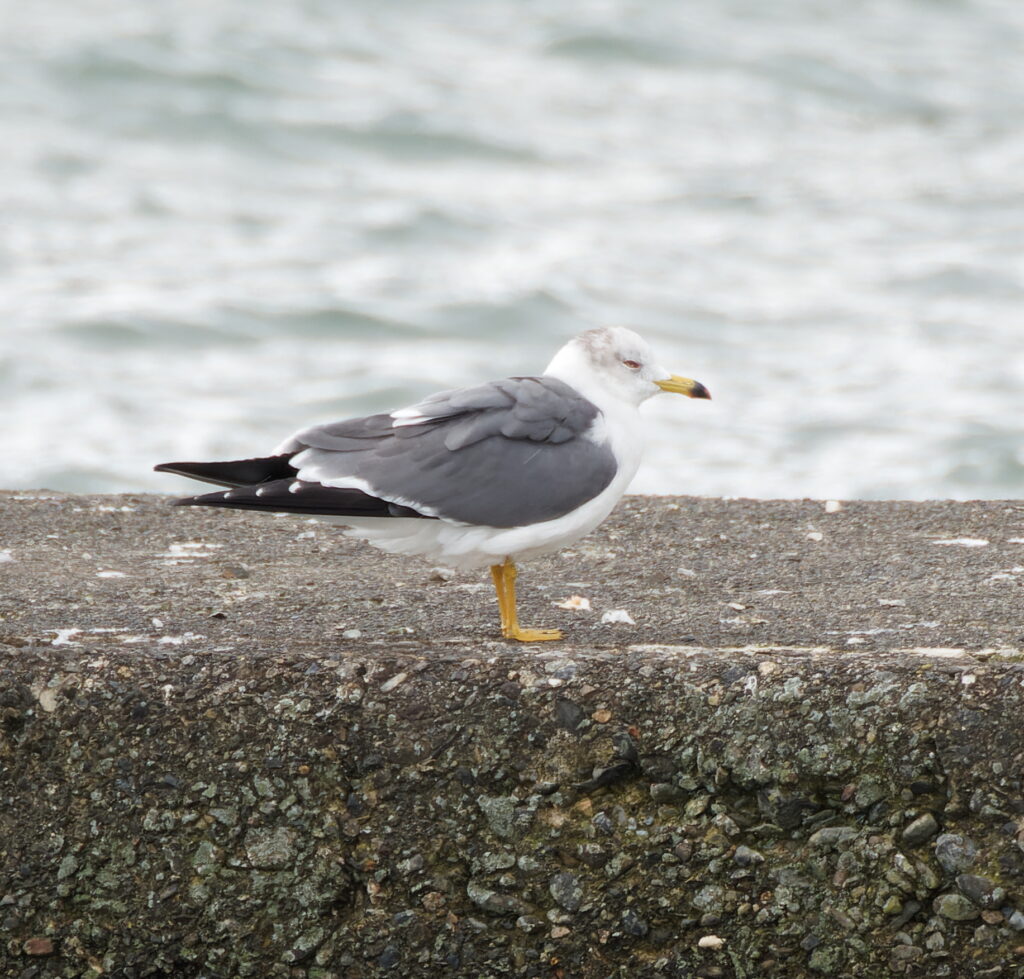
pixel 241 745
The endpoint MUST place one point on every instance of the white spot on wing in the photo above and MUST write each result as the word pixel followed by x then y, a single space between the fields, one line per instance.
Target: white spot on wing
pixel 407 416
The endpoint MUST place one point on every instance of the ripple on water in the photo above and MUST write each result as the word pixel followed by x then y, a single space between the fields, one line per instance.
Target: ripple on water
pixel 226 220
pixel 608 48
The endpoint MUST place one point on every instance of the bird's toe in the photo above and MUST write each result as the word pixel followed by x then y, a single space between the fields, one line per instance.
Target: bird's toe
pixel 534 635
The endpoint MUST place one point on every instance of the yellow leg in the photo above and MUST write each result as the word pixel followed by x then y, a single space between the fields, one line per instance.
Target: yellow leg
pixel 498 576
pixel 504 576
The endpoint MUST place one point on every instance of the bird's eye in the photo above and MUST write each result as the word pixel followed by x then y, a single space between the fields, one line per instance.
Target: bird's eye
pixel 632 365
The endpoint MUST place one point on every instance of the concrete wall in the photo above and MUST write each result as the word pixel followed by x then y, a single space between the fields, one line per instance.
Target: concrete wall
pixel 228 781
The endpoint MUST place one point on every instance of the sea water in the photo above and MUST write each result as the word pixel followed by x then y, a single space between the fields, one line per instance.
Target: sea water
pixel 224 220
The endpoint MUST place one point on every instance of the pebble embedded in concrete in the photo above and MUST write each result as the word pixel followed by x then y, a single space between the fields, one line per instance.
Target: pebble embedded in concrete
pixel 852 810
pixel 955 853
pixel 922 829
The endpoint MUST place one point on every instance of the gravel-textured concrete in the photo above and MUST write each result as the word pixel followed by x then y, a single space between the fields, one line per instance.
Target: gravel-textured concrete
pixel 239 745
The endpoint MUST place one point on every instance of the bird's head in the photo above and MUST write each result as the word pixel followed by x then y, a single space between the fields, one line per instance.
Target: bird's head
pixel 619 362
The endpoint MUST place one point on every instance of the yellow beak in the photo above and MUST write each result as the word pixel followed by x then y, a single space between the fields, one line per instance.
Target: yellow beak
pixel 684 385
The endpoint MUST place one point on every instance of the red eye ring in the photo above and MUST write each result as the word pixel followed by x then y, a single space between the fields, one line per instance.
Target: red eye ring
pixel 631 364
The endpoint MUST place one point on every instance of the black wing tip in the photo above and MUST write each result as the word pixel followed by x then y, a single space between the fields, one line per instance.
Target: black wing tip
pixel 313 499
pixel 211 500
pixel 234 473
pixel 220 498
pixel 180 468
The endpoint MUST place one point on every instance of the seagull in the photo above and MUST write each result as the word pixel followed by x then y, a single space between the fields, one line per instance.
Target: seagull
pixel 482 476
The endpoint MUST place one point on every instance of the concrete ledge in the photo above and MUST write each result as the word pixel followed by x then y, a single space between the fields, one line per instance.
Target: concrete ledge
pixel 804 759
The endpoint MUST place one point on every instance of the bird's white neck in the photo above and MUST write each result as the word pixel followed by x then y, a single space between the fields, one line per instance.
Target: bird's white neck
pixel 570 365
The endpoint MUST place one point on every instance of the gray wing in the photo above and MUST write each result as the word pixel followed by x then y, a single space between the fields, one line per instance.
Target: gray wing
pixel 504 454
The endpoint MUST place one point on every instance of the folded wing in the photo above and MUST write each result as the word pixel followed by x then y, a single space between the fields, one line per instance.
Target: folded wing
pixel 509 453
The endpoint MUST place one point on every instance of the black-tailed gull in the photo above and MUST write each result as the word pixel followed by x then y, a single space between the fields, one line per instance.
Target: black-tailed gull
pixel 480 476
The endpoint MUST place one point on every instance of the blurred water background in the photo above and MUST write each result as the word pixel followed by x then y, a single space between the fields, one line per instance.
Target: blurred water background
pixel 222 220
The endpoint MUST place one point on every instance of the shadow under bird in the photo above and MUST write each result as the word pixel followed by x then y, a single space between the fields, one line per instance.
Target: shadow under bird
pixel 480 476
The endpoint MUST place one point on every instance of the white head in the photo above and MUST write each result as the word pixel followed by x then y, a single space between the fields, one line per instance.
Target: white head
pixel 616 361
